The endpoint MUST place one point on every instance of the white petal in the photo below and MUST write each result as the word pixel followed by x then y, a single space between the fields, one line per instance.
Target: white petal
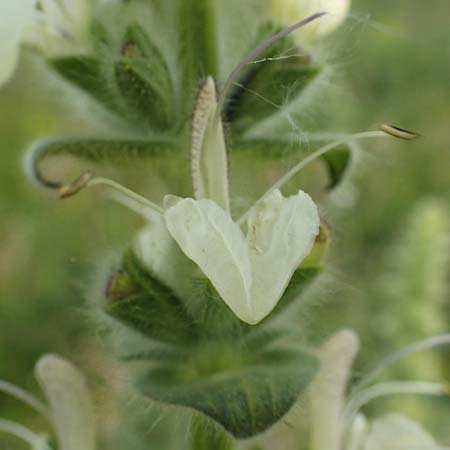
pixel 209 237
pixel 155 247
pixel 15 17
pixel 71 407
pixel 158 251
pixel 281 233
pixel 396 432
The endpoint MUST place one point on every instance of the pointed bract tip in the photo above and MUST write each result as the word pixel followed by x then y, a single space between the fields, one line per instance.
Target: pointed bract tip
pixel 345 339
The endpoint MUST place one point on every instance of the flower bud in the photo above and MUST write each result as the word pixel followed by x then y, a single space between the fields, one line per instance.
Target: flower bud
pixel 287 12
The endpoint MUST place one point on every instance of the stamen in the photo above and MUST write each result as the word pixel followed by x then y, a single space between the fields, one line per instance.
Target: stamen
pixel 361 395
pixel 309 159
pixel 257 94
pixel 434 341
pixel 24 396
pixel 87 180
pixel 127 192
pixel 390 388
pixel 34 440
pixel 76 186
pixel 400 133
pixel 234 75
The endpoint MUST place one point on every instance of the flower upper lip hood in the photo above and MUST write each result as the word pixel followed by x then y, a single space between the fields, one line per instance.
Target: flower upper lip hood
pixel 53 27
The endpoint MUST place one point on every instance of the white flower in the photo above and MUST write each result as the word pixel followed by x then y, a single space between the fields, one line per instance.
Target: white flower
pixel 53 27
pixel 70 408
pixel 337 424
pixel 250 272
pixel 287 12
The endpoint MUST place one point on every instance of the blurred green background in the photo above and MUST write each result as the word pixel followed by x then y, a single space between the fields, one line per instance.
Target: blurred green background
pixel 389 265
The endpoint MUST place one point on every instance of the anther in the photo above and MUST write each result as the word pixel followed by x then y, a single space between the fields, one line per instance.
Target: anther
pixel 398 132
pixel 76 186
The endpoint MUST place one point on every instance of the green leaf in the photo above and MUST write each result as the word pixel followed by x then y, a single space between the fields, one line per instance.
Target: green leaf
pixel 131 80
pixel 94 150
pixel 214 318
pixel 319 250
pixel 145 102
pixel 264 337
pixel 166 354
pixel 278 77
pixel 90 75
pixel 109 151
pixel 273 86
pixel 98 150
pixel 206 435
pixel 245 399
pixel 337 162
pixel 143 80
pixel 140 301
pixel 137 44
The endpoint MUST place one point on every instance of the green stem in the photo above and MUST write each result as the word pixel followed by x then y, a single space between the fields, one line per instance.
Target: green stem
pixel 211 37
pixel 206 435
